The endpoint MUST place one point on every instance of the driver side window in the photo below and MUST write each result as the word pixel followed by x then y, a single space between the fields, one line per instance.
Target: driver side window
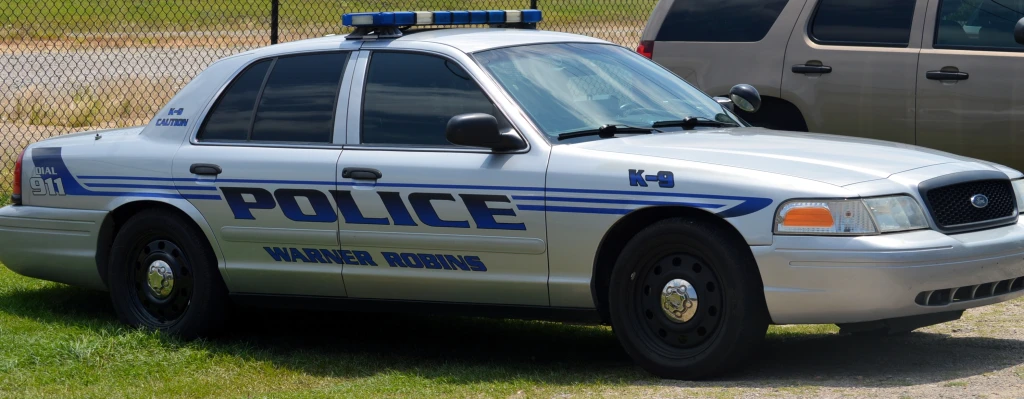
pixel 409 99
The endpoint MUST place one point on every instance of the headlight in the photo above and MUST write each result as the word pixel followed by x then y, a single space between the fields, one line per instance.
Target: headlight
pixel 1018 191
pixel 850 217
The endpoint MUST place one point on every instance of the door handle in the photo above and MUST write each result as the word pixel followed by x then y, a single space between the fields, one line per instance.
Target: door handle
pixel 208 169
pixel 361 173
pixel 804 68
pixel 943 75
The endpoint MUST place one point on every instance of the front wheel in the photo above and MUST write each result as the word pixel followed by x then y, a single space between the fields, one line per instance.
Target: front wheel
pixel 686 300
pixel 163 276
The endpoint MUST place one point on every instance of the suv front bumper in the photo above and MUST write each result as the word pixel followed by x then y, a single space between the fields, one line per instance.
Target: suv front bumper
pixel 812 280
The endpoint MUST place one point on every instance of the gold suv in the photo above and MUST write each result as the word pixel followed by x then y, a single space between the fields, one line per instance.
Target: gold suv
pixel 945 74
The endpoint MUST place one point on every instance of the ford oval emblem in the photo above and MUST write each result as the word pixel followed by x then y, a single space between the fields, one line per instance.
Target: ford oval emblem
pixel 979 201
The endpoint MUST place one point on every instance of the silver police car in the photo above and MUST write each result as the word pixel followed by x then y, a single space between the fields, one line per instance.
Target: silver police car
pixel 514 173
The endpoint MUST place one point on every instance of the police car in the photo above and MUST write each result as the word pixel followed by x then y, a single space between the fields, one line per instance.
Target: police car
pixel 508 172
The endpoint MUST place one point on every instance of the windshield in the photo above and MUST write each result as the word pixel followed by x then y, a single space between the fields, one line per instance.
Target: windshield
pixel 567 87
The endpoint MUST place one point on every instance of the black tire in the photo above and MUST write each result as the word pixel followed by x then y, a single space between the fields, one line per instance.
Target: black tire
pixel 730 318
pixel 775 114
pixel 194 305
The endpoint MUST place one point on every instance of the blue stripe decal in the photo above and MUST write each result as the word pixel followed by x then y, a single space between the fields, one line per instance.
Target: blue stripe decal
pixel 613 201
pixel 51 158
pixel 459 186
pixel 200 196
pixel 302 182
pixel 748 206
pixel 446 186
pixel 574 209
pixel 135 178
pixel 647 193
pixel 147 186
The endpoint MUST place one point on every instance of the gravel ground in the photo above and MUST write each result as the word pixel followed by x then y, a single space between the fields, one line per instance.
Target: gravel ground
pixel 978 356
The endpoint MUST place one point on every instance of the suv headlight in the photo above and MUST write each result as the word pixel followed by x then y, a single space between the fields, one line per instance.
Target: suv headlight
pixel 1018 191
pixel 850 217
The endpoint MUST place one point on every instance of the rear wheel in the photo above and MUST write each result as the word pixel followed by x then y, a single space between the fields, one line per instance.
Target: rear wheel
pixel 686 300
pixel 163 276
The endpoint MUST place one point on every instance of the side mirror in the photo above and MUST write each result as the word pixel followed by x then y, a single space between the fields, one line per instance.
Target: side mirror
pixel 1018 31
pixel 480 130
pixel 745 97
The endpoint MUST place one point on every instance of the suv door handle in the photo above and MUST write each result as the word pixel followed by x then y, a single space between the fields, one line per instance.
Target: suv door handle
pixel 361 173
pixel 208 169
pixel 943 75
pixel 804 68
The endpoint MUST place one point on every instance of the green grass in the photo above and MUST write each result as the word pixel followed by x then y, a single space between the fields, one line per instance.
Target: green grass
pixel 53 19
pixel 955 384
pixel 5 198
pixel 59 341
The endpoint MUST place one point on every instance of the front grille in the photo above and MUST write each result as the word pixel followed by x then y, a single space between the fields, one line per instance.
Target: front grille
pixel 969 292
pixel 951 206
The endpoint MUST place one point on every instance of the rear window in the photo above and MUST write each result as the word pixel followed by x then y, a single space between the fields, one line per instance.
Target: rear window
pixel 284 99
pixel 720 20
pixel 863 22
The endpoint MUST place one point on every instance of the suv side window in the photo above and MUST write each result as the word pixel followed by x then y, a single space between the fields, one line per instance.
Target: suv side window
pixel 409 99
pixel 719 20
pixel 883 23
pixel 284 99
pixel 978 24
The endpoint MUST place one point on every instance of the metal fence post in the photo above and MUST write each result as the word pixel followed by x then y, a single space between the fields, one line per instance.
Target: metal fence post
pixel 274 5
pixel 533 4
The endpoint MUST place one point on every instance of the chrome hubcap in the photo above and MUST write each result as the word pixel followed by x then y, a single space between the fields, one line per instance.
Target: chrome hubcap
pixel 679 300
pixel 160 279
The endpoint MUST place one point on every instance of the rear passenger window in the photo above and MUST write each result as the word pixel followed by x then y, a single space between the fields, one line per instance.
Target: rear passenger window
pixel 294 98
pixel 863 22
pixel 720 20
pixel 409 99
pixel 978 24
pixel 231 117
pixel 299 99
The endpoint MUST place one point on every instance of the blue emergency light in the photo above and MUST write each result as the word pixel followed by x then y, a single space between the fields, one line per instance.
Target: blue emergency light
pixel 386 24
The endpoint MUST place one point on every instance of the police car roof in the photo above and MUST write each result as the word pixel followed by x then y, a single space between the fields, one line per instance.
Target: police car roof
pixel 467 40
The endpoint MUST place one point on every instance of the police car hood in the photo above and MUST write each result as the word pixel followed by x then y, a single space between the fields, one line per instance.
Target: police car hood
pixel 832 159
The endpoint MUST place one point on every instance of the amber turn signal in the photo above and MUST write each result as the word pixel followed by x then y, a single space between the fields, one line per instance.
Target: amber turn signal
pixel 808 217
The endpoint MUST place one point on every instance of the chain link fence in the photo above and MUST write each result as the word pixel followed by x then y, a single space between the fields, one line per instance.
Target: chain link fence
pixel 69 65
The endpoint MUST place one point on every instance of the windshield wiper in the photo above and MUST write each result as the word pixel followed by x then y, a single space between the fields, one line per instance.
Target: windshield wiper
pixel 691 122
pixel 607 131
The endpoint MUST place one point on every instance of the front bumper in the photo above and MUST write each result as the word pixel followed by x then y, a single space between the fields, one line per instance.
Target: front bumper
pixel 52 243
pixel 811 280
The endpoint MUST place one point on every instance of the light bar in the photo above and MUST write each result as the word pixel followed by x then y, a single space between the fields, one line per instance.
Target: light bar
pixel 410 18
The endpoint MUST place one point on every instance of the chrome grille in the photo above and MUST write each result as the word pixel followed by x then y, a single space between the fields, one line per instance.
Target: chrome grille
pixel 969 292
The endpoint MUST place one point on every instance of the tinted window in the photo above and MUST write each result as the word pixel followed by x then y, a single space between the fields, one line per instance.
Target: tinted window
pixel 231 117
pixel 720 20
pixel 409 99
pixel 865 22
pixel 299 99
pixel 983 24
